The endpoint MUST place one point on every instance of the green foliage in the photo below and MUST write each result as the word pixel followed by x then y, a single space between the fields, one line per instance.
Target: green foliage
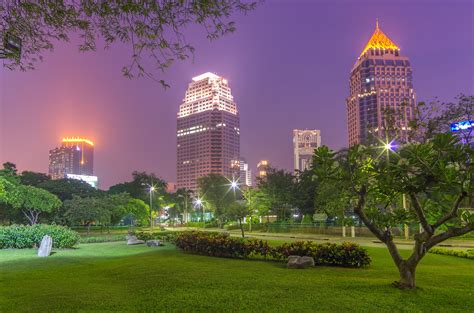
pixel 67 188
pixel 345 255
pixel 162 235
pixel 33 178
pixel 222 245
pixel 152 29
pixel 468 254
pixel 33 201
pixel 216 195
pixel 86 211
pixel 21 236
pixel 278 189
pixel 107 238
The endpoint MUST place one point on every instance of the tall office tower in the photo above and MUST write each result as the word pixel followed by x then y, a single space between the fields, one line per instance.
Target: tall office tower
pixel 75 156
pixel 380 82
pixel 208 134
pixel 245 173
pixel 262 169
pixel 304 143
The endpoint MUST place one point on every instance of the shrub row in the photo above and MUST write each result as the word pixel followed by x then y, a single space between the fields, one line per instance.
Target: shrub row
pixel 222 245
pixel 161 235
pixel 105 238
pixel 468 254
pixel 21 236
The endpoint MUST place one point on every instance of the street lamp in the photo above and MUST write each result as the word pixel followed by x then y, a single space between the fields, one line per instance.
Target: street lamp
pixel 151 190
pixel 198 203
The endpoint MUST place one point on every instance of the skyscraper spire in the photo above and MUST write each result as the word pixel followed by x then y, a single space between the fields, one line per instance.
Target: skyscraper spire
pixel 379 40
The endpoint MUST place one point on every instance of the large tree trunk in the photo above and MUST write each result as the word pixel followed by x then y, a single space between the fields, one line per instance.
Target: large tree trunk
pixel 407 276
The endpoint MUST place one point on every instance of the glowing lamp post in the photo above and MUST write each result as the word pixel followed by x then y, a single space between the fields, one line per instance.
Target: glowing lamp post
pixel 151 190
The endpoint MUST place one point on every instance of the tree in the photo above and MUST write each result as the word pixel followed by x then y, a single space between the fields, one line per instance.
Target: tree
pixel 139 188
pixel 436 176
pixel 152 29
pixel 184 201
pixel 67 188
pixel 33 178
pixel 86 211
pixel 278 188
pixel 306 185
pixel 215 192
pixel 33 201
pixel 137 210
pixel 238 210
pixel 9 170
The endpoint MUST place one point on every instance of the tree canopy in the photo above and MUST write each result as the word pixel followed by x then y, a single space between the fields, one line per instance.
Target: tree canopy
pixel 153 30
pixel 436 176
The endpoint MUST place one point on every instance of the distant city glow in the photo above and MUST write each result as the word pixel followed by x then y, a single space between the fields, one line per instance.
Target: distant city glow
pixel 460 126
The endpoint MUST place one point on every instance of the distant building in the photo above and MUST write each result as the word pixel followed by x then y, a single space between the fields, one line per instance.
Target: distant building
pixel 262 168
pixel 171 187
pixel 304 143
pixel 380 79
pixel 245 173
pixel 74 156
pixel 208 134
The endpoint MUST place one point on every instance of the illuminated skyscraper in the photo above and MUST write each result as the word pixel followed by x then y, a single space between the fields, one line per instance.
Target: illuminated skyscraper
pixel 245 173
pixel 380 81
pixel 262 168
pixel 208 134
pixel 304 143
pixel 74 156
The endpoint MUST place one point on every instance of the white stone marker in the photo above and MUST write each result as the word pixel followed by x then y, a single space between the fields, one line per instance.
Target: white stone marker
pixel 45 247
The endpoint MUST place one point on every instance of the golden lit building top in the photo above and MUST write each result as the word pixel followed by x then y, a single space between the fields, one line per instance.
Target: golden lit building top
pixel 379 41
pixel 77 140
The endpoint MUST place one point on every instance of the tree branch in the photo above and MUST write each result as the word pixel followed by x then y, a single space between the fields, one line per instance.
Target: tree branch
pixel 451 232
pixel 453 213
pixel 385 237
pixel 421 215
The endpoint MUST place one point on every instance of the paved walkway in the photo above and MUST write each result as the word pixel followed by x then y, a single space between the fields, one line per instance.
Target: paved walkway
pixel 363 241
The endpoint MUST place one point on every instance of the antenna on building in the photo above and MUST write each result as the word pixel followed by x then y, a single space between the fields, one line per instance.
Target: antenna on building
pixel 376 23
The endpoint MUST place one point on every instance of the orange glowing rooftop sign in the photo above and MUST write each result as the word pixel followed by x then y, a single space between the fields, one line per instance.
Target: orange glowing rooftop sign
pixel 77 140
pixel 379 41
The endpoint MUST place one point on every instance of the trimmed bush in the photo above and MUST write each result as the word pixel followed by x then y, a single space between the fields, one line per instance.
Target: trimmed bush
pixel 161 235
pixel 21 236
pixel 222 245
pixel 105 238
pixel 468 254
pixel 346 254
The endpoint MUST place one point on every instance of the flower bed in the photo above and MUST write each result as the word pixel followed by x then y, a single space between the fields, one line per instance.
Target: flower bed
pixel 222 245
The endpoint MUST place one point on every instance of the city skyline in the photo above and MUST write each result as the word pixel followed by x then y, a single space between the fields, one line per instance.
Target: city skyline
pixel 132 121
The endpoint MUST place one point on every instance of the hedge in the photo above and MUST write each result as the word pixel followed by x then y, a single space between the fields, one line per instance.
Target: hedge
pixel 468 254
pixel 21 236
pixel 222 245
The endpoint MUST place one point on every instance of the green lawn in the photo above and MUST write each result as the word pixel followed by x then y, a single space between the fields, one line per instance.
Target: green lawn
pixel 117 277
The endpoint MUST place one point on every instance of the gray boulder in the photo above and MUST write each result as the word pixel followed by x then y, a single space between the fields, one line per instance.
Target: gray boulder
pixel 295 261
pixel 45 246
pixel 154 243
pixel 132 240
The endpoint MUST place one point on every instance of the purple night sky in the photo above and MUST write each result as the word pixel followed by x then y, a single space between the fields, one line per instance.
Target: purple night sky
pixel 288 66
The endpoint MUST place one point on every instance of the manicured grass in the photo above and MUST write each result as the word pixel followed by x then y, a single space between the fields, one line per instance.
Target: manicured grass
pixel 116 277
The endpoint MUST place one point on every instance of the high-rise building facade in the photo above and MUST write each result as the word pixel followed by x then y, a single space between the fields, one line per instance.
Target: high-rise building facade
pixel 380 82
pixel 74 156
pixel 304 143
pixel 245 173
pixel 262 168
pixel 208 134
